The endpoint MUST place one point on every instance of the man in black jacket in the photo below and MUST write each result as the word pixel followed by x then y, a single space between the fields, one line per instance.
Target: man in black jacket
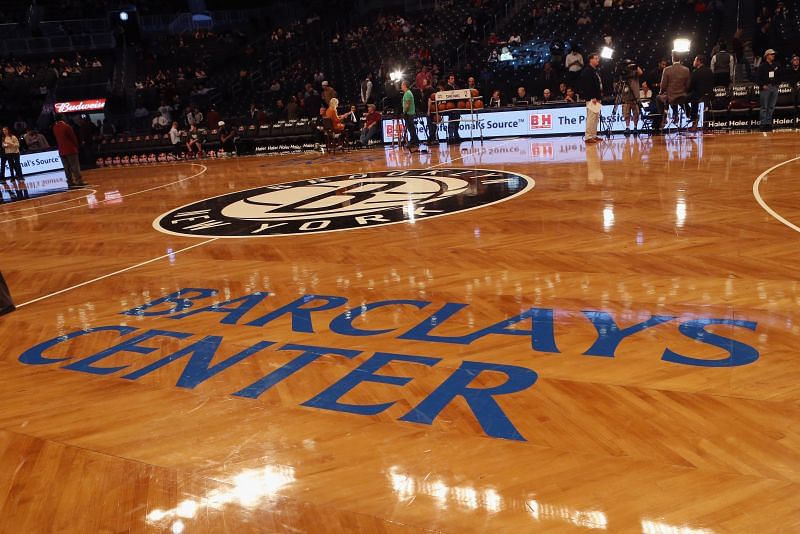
pixel 591 90
pixel 701 87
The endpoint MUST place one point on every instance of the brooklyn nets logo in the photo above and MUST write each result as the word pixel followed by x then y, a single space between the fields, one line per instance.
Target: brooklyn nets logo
pixel 336 203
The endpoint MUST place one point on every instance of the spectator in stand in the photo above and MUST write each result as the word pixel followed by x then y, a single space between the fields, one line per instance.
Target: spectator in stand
pixel 226 138
pixel 514 39
pixel 591 90
pixel 496 100
pixel 366 90
pixel 213 118
pixel 584 19
pixel 328 93
pixel 292 109
pixel 769 77
pixel 793 77
pixel 570 97
pixel 424 75
pixel 194 144
pixel 372 126
pixel 574 64
pixel 522 98
pixel 165 110
pixel 35 140
pixel 701 88
pixel 548 78
pixel 723 65
pixel 175 140
pixel 159 123
pixel 761 41
pixel 547 97
pixel 67 143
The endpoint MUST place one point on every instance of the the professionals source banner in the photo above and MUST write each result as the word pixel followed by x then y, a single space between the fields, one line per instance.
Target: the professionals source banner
pixel 43 173
pixel 568 120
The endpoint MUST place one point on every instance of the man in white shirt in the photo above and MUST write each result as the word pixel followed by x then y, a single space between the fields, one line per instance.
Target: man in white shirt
pixel 366 89
pixel 574 64
pixel 159 123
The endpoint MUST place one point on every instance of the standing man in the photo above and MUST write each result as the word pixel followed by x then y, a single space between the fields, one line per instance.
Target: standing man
pixel 591 90
pixel 67 143
pixel 366 90
pixel 701 87
pixel 574 64
pixel 723 65
pixel 675 88
pixel 409 110
pixel 768 79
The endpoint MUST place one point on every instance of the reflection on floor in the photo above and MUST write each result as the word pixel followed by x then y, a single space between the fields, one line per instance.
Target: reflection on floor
pixel 38 185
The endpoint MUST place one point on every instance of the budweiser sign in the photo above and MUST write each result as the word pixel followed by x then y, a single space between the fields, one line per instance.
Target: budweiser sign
pixel 80 105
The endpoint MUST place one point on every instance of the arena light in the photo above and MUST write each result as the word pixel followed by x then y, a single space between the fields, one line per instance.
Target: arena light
pixel 123 16
pixel 606 52
pixel 396 76
pixel 681 45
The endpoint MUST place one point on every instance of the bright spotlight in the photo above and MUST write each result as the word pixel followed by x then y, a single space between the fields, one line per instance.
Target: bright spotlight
pixel 606 52
pixel 396 76
pixel 681 45
pixel 123 16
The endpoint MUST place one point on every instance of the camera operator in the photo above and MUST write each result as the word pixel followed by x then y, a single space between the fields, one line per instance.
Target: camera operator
pixel 630 74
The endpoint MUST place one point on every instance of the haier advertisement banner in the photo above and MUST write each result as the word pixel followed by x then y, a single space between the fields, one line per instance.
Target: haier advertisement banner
pixel 569 120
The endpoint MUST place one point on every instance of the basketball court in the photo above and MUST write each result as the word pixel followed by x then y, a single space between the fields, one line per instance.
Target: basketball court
pixel 524 335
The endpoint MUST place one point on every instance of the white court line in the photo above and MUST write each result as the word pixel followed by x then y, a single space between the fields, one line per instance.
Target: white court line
pixel 109 275
pixel 91 192
pixel 35 215
pixel 761 201
pixel 126 269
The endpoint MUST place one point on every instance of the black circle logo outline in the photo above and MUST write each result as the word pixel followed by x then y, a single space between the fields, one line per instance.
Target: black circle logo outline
pixel 529 184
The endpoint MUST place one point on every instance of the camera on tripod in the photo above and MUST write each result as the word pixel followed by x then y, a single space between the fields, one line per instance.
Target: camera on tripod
pixel 626 68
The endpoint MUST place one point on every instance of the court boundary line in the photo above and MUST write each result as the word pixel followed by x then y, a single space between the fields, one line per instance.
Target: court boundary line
pixel 152 260
pixel 763 203
pixel 204 169
pixel 120 271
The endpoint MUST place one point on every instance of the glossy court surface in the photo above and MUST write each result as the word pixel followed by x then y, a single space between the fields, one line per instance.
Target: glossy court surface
pixel 613 349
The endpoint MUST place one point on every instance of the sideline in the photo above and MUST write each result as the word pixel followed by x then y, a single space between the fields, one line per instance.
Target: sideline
pixel 35 215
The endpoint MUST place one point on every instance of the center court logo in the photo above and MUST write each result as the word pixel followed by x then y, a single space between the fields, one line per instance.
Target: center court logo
pixel 346 202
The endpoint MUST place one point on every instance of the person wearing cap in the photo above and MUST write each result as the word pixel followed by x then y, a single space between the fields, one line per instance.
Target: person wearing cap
pixel 328 93
pixel 769 75
pixel 226 139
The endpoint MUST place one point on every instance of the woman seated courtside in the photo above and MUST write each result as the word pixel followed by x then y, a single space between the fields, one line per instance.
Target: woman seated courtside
pixel 336 119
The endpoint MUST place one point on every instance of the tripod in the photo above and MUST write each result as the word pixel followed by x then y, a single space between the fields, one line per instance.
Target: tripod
pixel 619 87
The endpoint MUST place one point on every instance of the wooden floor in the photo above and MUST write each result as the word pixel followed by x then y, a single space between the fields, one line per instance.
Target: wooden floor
pixel 654 388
